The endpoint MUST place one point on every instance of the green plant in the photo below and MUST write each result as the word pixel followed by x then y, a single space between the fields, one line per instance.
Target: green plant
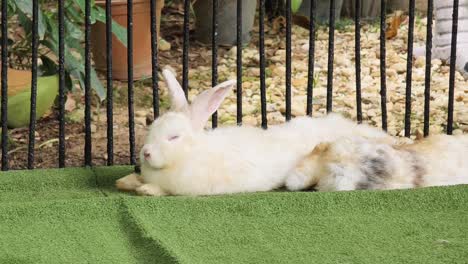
pixel 20 11
pixel 277 8
pixel 343 24
pixel 295 4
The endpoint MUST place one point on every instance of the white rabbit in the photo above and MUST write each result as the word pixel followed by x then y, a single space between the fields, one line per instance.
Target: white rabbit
pixel 180 158
pixel 353 163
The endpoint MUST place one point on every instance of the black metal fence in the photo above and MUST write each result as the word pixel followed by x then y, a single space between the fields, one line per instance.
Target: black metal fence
pixel 264 121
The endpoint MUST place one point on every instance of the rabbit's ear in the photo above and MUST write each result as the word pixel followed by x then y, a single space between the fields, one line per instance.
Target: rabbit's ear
pixel 178 100
pixel 208 102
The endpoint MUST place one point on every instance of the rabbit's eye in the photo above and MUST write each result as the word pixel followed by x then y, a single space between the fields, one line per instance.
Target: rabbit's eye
pixel 174 137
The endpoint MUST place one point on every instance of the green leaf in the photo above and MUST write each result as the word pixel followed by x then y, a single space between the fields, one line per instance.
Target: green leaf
pixel 48 67
pixel 41 25
pixel 73 30
pixel 26 7
pixel 52 31
pixel 68 81
pixel 25 22
pixel 295 5
pixel 74 44
pixel 80 77
pixel 11 8
pixel 81 4
pixel 97 85
pixel 74 14
pixel 72 63
pixel 120 32
pixel 99 14
pixel 75 67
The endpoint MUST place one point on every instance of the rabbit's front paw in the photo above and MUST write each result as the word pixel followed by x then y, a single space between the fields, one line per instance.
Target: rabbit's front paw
pixel 128 183
pixel 150 190
pixel 296 180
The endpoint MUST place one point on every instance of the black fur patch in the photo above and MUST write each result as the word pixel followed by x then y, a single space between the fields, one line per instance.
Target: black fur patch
pixel 466 67
pixel 376 170
pixel 362 186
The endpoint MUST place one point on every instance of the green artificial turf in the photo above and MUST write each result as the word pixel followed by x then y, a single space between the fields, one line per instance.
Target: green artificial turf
pixel 76 216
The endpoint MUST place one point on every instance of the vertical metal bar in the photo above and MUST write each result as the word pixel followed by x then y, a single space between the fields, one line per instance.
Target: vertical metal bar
pixel 61 100
pixel 32 112
pixel 331 44
pixel 239 62
pixel 409 69
pixel 87 153
pixel 185 58
pixel 310 74
pixel 109 112
pixel 4 85
pixel 357 51
pixel 453 59
pixel 383 66
pixel 214 56
pixel 261 23
pixel 427 84
pixel 154 56
pixel 131 123
pixel 288 60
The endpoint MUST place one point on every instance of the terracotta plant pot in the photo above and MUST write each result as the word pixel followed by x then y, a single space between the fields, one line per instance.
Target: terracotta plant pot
pixel 141 39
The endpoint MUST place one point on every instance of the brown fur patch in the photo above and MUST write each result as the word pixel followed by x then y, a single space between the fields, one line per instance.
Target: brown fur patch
pixel 320 148
pixel 418 169
pixel 319 153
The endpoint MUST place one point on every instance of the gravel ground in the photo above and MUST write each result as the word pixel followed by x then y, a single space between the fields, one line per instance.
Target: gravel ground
pixel 344 80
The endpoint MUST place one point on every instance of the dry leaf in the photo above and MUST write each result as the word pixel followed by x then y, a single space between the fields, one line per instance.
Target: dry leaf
pixel 301 21
pixel 70 104
pixel 393 26
pixel 278 23
pixel 48 113
pixel 419 134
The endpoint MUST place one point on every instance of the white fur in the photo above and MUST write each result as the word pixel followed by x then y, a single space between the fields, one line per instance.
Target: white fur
pixel 229 159
pixel 446 160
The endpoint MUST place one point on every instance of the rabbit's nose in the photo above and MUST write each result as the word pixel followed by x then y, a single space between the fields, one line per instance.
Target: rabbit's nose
pixel 146 154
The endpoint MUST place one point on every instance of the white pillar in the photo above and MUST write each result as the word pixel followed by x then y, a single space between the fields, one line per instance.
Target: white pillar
pixel 442 34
